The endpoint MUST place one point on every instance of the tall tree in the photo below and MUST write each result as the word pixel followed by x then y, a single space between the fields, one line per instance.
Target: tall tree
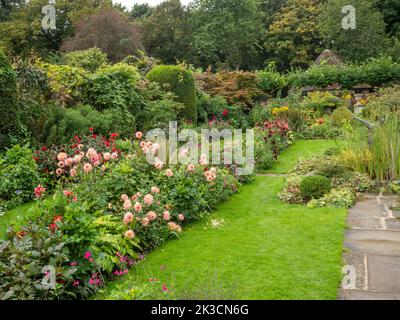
pixel 109 30
pixel 139 10
pixel 368 39
pixel 293 38
pixel 391 14
pixel 165 31
pixel 23 32
pixel 225 31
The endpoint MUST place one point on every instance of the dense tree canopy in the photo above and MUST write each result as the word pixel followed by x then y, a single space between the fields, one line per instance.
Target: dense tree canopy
pixel 293 38
pixel 368 39
pixel 165 32
pixel 226 34
pixel 226 31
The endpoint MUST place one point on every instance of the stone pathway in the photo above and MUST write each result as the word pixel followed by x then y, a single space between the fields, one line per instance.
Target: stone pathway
pixel 373 250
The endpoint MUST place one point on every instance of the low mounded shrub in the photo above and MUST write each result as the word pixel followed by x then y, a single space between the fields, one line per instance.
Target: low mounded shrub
pixel 179 81
pixel 314 187
pixel 341 115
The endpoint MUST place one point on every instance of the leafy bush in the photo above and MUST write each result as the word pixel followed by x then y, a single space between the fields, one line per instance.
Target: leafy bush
pixel 338 198
pixel 317 131
pixel 270 80
pixel 61 124
pixel 237 87
pixel 8 101
pixel 180 81
pixel 209 106
pixel 19 175
pixel 114 87
pixel 66 83
pixel 321 102
pixel 340 116
pixel 314 187
pixel 387 100
pixel 374 72
pixel 90 59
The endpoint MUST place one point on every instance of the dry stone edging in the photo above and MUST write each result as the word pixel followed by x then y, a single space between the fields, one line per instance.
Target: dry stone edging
pixel 373 249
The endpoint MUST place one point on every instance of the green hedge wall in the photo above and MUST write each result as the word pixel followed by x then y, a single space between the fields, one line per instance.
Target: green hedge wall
pixel 8 100
pixel 180 82
pixel 375 72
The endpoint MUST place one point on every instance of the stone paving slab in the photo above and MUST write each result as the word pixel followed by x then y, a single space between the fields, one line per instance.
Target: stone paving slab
pixel 373 239
pixel 366 295
pixel 384 274
pixel 372 211
pixel 357 261
pixel 365 223
pixel 393 224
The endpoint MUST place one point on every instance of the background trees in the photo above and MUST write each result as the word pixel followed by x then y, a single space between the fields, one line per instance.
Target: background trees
pixel 293 38
pixel 108 30
pixel 225 31
pixel 224 34
pixel 165 31
pixel 367 40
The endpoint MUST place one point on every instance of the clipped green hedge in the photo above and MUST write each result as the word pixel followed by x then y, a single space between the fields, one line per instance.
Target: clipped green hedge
pixel 8 100
pixel 181 82
pixel 375 72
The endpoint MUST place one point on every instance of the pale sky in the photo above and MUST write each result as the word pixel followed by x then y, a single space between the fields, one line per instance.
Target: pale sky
pixel 129 3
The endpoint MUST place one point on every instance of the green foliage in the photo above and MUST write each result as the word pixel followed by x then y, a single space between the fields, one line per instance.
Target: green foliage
pixel 8 101
pixel 90 59
pixel 321 101
pixel 62 124
pixel 376 153
pixel 227 31
pixel 114 87
pixel 166 31
pixel 180 81
pixel 338 198
pixel 158 114
pixel 314 187
pixel 293 38
pixel 19 176
pixel 374 72
pixel 271 81
pixel 386 101
pixel 209 106
pixel 324 131
pixel 65 82
pixel 354 45
pixel 340 116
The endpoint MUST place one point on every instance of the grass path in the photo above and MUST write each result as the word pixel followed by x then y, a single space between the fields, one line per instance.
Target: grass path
pixel 300 149
pixel 265 249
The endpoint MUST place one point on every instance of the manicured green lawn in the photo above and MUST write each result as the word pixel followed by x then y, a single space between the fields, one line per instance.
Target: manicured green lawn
pixel 265 249
pixel 300 149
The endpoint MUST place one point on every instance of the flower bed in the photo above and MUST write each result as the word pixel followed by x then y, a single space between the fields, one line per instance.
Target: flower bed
pixel 110 207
